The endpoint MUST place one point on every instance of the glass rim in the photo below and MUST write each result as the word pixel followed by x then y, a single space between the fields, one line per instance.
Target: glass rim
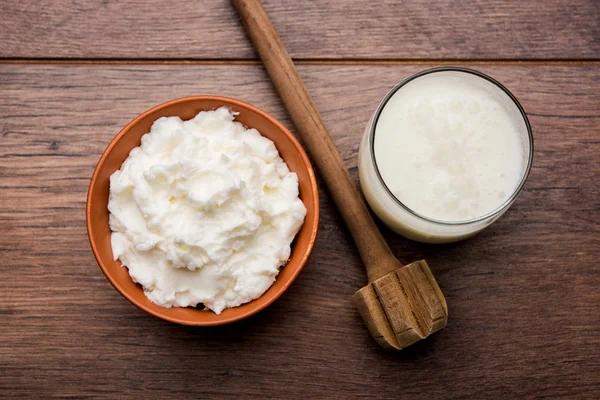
pixel 478 74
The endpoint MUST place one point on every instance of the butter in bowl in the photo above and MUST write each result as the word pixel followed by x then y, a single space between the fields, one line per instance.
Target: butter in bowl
pixel 202 210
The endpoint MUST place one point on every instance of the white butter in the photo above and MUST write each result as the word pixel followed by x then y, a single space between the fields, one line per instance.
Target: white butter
pixel 204 211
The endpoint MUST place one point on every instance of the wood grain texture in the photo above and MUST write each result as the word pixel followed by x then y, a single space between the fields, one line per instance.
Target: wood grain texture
pixel 523 295
pixel 445 29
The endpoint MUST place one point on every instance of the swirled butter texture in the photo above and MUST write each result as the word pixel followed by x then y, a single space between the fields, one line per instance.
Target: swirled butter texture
pixel 204 211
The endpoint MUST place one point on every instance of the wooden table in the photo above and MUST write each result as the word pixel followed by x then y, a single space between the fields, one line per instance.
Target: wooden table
pixel 523 296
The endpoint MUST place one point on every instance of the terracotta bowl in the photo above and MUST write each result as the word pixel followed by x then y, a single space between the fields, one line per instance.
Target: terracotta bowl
pixel 129 137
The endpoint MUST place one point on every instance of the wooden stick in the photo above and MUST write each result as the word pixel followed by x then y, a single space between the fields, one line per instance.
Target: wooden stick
pixel 373 249
pixel 400 305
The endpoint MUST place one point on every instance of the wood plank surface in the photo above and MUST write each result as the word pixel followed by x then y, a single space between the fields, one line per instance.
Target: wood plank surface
pixel 445 29
pixel 523 295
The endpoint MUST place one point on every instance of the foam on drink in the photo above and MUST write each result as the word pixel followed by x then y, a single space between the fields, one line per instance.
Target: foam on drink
pixel 448 149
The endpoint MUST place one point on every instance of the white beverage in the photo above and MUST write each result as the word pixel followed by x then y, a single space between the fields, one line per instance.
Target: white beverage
pixel 449 147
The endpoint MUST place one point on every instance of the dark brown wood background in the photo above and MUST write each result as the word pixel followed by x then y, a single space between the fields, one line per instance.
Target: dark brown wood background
pixel 523 296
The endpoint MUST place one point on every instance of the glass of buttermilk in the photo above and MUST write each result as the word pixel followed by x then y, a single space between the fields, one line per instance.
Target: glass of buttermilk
pixel 446 153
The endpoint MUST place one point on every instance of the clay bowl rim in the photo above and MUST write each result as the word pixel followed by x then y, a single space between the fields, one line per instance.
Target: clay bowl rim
pixel 164 313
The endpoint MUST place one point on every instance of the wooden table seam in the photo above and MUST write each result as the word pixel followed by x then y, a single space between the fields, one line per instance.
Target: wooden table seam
pixel 303 61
